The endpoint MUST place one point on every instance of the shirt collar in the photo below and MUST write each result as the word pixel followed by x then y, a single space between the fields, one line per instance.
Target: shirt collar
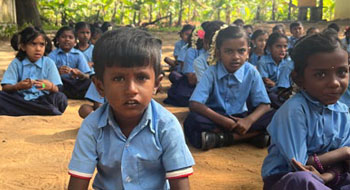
pixel 333 107
pixel 38 63
pixel 73 50
pixel 222 72
pixel 107 118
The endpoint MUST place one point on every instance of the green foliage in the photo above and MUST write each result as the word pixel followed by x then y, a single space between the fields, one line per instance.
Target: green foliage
pixel 6 31
pixel 123 12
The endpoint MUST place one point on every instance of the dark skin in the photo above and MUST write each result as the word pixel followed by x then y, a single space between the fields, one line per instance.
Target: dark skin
pixel 28 83
pixel 76 73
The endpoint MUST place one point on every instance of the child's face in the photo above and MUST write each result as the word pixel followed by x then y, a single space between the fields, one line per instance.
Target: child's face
pixel 297 31
pixel 185 35
pixel 128 90
pixel 280 30
pixel 35 49
pixel 326 76
pixel 249 31
pixel 84 35
pixel 66 40
pixel 260 42
pixel 95 38
pixel 279 49
pixel 233 53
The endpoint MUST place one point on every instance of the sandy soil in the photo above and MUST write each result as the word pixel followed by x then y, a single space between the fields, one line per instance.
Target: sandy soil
pixel 35 150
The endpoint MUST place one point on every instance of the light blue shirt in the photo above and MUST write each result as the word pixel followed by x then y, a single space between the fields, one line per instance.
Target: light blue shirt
pixel 254 58
pixel 88 55
pixel 284 79
pixel 191 55
pixel 92 94
pixel 200 65
pixel 44 68
pixel 291 41
pixel 227 93
pixel 154 151
pixel 74 59
pixel 269 69
pixel 182 53
pixel 301 127
pixel 178 45
pixel 345 98
pixel 346 44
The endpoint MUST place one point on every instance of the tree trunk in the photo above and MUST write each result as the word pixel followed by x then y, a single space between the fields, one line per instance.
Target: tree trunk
pixel 27 12
pixel 258 13
pixel 189 11
pixel 114 12
pixel 273 17
pixel 150 13
pixel 302 15
pixel 170 19
pixel 290 9
pixel 179 22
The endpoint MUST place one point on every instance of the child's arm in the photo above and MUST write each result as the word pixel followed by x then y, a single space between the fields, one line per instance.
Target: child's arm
pixel 326 176
pixel 225 122
pixel 22 85
pixel 331 158
pixel 45 85
pixel 192 79
pixel 179 184
pixel 78 184
pixel 76 73
pixel 268 82
pixel 243 124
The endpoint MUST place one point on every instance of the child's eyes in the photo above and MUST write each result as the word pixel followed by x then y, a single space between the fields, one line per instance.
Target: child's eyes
pixel 142 77
pixel 241 51
pixel 342 72
pixel 118 78
pixel 320 75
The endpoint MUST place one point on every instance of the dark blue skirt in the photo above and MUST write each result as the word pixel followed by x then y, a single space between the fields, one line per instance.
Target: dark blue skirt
pixel 75 88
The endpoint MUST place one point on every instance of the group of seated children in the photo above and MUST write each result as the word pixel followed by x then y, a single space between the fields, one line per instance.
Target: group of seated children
pixel 38 81
pixel 229 100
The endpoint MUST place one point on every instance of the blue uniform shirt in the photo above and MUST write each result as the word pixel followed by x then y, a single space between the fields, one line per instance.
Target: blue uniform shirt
pixel 291 41
pixel 346 44
pixel 154 151
pixel 182 53
pixel 269 69
pixel 93 95
pixel 284 79
pixel 200 65
pixel 74 59
pixel 227 93
pixel 88 55
pixel 178 45
pixel 301 127
pixel 44 68
pixel 345 98
pixel 191 55
pixel 254 58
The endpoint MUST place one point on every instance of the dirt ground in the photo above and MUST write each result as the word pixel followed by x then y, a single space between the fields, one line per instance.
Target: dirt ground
pixel 35 150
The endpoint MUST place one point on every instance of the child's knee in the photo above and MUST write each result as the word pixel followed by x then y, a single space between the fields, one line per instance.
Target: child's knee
pixel 85 110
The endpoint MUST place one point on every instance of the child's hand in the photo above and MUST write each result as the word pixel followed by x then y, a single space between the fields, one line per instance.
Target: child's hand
pixel 43 84
pixel 64 70
pixel 91 64
pixel 229 124
pixel 242 125
pixel 24 84
pixel 269 83
pixel 326 177
pixel 76 73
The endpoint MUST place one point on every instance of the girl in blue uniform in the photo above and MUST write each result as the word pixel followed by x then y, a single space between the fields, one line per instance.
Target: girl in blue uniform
pixel 71 64
pixel 259 39
pixel 30 83
pixel 220 114
pixel 83 33
pixel 310 133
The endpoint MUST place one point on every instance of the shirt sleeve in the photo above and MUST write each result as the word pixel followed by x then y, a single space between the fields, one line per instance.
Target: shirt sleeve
pixel 83 65
pixel 262 68
pixel 203 88
pixel 258 94
pixel 189 58
pixel 53 74
pixel 177 48
pixel 288 131
pixel 284 80
pixel 177 159
pixel 11 75
pixel 84 158
pixel 199 67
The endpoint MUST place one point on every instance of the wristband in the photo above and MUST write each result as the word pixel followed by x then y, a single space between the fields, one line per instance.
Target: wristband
pixel 43 85
pixel 318 164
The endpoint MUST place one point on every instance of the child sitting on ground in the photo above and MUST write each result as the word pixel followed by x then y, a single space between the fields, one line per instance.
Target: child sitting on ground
pixel 71 64
pixel 30 83
pixel 310 133
pixel 259 39
pixel 134 142
pixel 230 102
pixel 297 31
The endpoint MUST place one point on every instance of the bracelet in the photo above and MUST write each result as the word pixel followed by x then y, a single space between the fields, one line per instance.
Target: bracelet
pixel 318 164
pixel 336 178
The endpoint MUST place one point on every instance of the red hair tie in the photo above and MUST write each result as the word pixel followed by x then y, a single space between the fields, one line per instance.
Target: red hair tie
pixel 201 34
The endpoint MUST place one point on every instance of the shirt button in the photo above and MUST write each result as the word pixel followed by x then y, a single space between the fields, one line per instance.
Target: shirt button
pixel 128 179
pixel 127 145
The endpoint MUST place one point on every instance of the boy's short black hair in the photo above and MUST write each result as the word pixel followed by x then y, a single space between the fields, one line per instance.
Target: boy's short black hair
pixel 126 47
pixel 335 26
pixel 294 24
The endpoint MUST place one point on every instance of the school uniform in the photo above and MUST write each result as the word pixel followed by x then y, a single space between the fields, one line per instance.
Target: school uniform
pixel 154 151
pixel 254 59
pixel 291 42
pixel 176 73
pixel 200 65
pixel 88 55
pixel 32 101
pixel 345 98
pixel 178 46
pixel 93 95
pixel 300 128
pixel 228 94
pixel 73 88
pixel 180 91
